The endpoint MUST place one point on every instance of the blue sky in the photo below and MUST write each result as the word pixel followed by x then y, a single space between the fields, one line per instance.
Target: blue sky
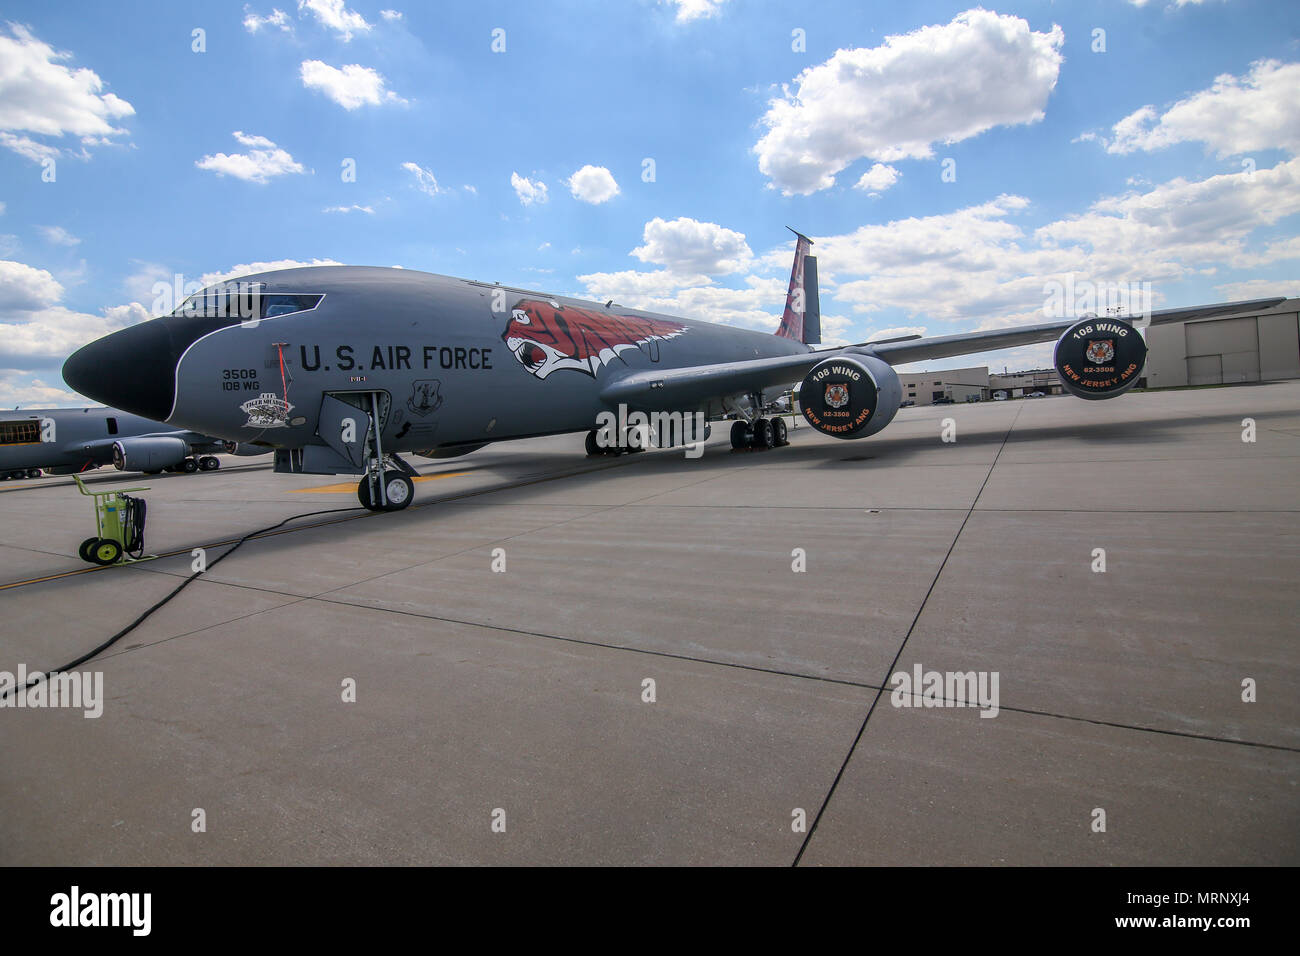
pixel 1170 158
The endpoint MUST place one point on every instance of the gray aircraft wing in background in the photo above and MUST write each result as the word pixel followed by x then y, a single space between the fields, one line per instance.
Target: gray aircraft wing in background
pixel 670 388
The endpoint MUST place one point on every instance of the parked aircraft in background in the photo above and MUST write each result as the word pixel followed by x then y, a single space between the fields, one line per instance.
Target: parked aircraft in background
pixel 64 441
pixel 339 369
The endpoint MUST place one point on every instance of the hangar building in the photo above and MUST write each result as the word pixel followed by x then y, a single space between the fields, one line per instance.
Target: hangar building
pixel 925 388
pixel 1258 347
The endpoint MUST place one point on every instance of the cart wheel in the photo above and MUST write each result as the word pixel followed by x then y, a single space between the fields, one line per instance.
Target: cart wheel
pixel 84 551
pixel 105 551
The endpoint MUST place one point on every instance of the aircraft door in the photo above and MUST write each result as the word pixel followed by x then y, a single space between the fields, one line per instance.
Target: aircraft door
pixel 345 422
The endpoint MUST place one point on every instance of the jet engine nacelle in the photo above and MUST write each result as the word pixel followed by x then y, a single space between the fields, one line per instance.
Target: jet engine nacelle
pixel 1099 358
pixel 148 454
pixel 850 396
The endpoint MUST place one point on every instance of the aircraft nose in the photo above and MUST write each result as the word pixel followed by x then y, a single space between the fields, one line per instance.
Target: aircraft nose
pixel 134 369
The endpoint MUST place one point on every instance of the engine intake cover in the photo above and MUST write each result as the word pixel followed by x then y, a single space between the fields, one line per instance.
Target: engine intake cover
pixel 1100 358
pixel 850 396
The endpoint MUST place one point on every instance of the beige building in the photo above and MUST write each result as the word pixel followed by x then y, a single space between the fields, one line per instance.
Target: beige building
pixel 1017 384
pixel 1258 347
pixel 959 384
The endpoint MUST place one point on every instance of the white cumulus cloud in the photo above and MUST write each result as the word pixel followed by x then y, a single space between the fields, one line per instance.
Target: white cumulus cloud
pixel 276 18
pixel 263 161
pixel 1259 289
pixel 40 95
pixel 335 15
pixel 593 184
pixel 529 191
pixel 253 268
pixel 937 84
pixel 24 288
pixel 686 246
pixel 877 179
pixel 688 10
pixel 1235 115
pixel 352 87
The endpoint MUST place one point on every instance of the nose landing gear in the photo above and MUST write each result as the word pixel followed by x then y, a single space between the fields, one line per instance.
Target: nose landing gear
pixel 386 484
pixel 397 491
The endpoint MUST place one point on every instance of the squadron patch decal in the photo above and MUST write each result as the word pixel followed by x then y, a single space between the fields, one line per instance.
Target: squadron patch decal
pixel 426 396
pixel 546 337
pixel 268 410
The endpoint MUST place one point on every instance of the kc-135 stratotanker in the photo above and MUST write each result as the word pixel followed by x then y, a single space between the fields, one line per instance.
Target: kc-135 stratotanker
pixel 340 369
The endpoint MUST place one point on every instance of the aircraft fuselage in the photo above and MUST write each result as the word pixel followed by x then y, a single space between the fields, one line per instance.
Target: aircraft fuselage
pixel 457 362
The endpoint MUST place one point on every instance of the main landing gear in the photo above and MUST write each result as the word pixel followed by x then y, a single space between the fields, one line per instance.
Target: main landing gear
pixel 633 442
pixel 758 435
pixel 190 465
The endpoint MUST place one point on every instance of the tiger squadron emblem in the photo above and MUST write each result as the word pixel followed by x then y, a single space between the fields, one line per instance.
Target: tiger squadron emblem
pixel 546 337
pixel 1100 351
pixel 837 396
pixel 268 410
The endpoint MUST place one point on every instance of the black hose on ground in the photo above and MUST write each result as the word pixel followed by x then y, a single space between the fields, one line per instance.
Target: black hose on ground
pixel 33 681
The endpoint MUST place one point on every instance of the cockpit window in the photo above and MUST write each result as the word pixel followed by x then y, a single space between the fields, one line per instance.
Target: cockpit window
pixel 285 304
pixel 242 301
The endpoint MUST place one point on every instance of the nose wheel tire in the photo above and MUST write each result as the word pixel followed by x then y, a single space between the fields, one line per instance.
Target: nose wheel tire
pixel 398 489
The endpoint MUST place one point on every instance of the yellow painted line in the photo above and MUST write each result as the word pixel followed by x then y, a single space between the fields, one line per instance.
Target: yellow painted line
pixel 350 487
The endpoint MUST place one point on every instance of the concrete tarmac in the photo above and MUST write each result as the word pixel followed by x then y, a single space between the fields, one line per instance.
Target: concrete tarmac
pixel 559 659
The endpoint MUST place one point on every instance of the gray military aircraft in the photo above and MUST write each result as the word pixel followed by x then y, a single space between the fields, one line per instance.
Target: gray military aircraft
pixel 65 441
pixel 340 369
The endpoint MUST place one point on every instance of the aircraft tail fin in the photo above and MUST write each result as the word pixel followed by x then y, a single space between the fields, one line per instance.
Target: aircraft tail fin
pixel 802 320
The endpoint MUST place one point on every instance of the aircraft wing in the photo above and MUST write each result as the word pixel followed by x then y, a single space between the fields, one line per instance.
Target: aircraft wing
pixel 681 388
pixel 964 343
pixel 678 388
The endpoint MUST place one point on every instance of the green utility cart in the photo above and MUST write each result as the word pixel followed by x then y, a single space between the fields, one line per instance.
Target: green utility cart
pixel 119 520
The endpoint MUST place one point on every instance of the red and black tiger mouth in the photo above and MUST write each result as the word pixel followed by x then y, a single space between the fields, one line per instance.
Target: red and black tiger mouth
pixel 533 356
